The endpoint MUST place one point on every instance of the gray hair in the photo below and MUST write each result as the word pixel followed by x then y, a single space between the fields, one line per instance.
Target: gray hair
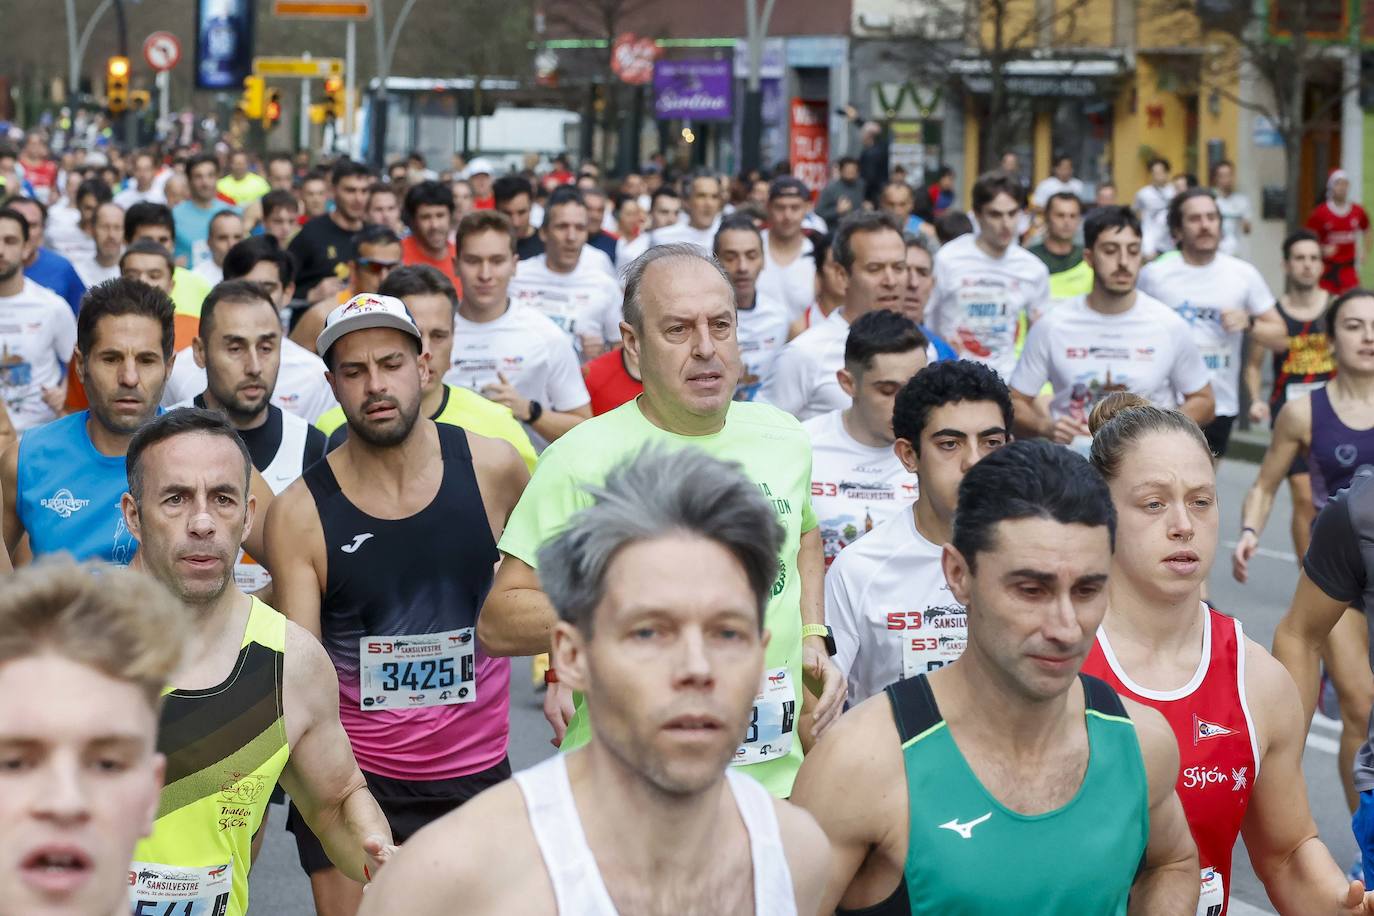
pixel 922 241
pixel 633 275
pixel 656 494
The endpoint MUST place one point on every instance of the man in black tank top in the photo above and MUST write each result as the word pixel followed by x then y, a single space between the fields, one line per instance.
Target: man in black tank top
pixel 385 550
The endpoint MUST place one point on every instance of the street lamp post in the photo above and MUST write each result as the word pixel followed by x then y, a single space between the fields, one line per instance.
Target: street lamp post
pixel 751 132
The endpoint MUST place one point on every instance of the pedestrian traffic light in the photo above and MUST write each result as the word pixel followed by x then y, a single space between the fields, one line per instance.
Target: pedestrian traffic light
pixel 251 103
pixel 117 84
pixel 271 109
pixel 334 98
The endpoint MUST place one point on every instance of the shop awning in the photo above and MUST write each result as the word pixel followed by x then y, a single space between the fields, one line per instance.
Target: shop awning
pixel 1042 76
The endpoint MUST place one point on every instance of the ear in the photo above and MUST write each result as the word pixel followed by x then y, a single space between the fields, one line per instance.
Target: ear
pixel 568 656
pixel 148 816
pixel 79 365
pixel 906 454
pixel 629 340
pixel 957 573
pixel 129 509
pixel 847 382
pixel 198 351
pixel 250 515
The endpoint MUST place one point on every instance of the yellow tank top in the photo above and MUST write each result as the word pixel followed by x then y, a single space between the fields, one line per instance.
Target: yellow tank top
pixel 225 747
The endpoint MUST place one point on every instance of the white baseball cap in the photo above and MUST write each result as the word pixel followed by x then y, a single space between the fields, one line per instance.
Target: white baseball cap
pixel 366 310
pixel 480 166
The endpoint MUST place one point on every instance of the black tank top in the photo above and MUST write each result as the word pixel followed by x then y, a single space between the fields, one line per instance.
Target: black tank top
pixel 1304 366
pixel 390 577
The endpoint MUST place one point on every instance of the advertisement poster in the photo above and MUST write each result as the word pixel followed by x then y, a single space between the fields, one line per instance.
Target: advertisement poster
pixel 810 144
pixel 695 90
pixel 224 43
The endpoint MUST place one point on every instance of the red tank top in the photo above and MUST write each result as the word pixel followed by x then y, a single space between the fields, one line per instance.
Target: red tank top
pixel 1218 749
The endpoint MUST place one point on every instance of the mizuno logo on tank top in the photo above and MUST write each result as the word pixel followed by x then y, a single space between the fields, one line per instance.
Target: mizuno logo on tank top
pixel 965 830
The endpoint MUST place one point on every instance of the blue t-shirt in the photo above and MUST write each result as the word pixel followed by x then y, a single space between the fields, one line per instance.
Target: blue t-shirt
pixel 55 272
pixel 193 230
pixel 942 349
pixel 68 494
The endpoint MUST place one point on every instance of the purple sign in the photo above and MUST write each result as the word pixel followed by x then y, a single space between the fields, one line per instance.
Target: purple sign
pixel 697 90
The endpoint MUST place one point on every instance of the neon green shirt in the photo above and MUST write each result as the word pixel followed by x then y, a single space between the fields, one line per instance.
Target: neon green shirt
pixel 245 190
pixel 775 454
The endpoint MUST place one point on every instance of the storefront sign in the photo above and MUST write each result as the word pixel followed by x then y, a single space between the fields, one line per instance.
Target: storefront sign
pixel 810 144
pixel 697 90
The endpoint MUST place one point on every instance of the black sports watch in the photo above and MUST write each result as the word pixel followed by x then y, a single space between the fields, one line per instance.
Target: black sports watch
pixel 823 631
pixel 536 411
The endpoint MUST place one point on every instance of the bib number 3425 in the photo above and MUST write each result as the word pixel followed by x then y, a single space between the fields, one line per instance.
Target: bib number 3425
pixel 772 722
pixel 410 672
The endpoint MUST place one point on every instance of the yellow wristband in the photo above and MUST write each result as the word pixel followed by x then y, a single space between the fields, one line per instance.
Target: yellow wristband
pixel 815 629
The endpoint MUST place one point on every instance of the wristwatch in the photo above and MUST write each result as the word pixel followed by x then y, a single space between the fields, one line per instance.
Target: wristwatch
pixel 536 411
pixel 823 631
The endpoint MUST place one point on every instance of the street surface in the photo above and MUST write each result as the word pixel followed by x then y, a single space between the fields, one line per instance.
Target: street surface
pixel 279 887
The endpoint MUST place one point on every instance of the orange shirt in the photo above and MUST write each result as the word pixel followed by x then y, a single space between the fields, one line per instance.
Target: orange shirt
pixel 413 253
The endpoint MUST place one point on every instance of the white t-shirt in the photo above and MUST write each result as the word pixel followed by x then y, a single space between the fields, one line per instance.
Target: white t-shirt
pixel 762 334
pixel 132 195
pixel 890 608
pixel 1235 209
pixel 1085 355
pixel 211 271
pixel 37 337
pixel 63 233
pixel 686 232
pixel 585 301
pixel 853 486
pixel 301 388
pixel 1152 204
pixel 626 250
pixel 803 381
pixel 794 284
pixel 91 272
pixel 1052 186
pixel 1200 295
pixel 978 299
pixel 526 347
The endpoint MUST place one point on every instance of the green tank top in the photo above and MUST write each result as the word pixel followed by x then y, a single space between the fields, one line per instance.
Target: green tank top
pixel 225 747
pixel 1079 858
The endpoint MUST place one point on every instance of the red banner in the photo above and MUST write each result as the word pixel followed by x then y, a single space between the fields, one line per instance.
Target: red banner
pixel 810 144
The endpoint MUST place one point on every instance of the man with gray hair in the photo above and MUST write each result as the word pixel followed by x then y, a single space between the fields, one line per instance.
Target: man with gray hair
pixel 661 587
pixel 680 326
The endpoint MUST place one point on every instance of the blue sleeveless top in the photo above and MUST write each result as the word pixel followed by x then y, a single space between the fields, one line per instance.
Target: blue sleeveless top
pixel 68 494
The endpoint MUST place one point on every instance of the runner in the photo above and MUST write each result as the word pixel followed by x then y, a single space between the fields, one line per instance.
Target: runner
pixel 1232 708
pixel 108 227
pixel 41 264
pixel 985 282
pixel 325 244
pixel 571 282
pixel 425 708
pixel 1152 206
pixel 668 718
pixel 631 227
pixel 898 199
pixel 1339 223
pixel 514 198
pixel 1220 297
pixel 253 700
pixel 946 419
pixel 1115 338
pixel 144 187
pixel 428 214
pixel 665 209
pixel 433 303
pixel 612 379
pixel 81 771
pixel 1008 753
pixel 789 265
pixel 761 319
pixel 154 223
pixel 1334 427
pixel 241 185
pixel 193 215
pixel 679 325
pixel 1234 206
pixel 301 388
pixel 1061 180
pixel 37 334
pixel 857 479
pixel 1302 366
pixel 870 253
pixel 281 212
pixel 376 252
pixel 509 352
pixel 705 200
pixel 226 231
pixel 920 272
pixel 239 351
pixel 1070 274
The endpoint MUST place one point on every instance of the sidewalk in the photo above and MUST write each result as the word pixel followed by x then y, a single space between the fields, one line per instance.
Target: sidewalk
pixel 1249 444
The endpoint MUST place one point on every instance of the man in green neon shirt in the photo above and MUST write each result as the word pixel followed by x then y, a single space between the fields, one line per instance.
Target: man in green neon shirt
pixel 680 325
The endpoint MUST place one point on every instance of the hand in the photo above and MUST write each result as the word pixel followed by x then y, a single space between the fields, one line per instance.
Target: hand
pixel 843 206
pixel 1240 558
pixel 503 392
pixel 818 667
pixel 1235 320
pixel 56 397
pixel 592 345
pixel 379 852
pixel 1259 411
pixel 328 288
pixel 1066 429
pixel 1357 900
pixel 558 710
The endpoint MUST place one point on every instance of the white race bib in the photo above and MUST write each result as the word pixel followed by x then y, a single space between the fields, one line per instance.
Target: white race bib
pixel 773 722
pixel 249 575
pixel 410 672
pixel 1216 359
pixel 1294 390
pixel 159 890
pixel 1213 897
pixel 936 642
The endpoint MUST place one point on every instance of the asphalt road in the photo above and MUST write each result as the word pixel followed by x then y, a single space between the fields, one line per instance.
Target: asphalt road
pixel 279 886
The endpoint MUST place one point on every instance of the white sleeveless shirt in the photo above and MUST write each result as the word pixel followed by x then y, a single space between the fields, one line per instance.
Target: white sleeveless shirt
pixel 577 886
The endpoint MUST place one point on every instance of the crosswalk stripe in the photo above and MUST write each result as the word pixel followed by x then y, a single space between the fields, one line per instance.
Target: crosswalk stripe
pixel 1323 743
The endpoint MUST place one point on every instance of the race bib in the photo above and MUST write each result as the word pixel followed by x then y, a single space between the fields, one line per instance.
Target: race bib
pixel 1213 897
pixel 249 575
pixel 410 672
pixel 1298 389
pixel 939 639
pixel 1216 358
pixel 773 721
pixel 165 890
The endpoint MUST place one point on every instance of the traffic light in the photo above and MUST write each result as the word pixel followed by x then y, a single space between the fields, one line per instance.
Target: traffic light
pixel 334 105
pixel 271 110
pixel 117 84
pixel 140 99
pixel 251 103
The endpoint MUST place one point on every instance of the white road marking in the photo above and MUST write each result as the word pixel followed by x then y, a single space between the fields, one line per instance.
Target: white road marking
pixel 1241 908
pixel 1323 743
pixel 1284 555
pixel 1320 720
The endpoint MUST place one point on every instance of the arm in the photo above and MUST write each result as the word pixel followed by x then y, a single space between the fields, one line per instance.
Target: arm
pixel 1301 636
pixel 254 539
pixel 1030 421
pixel 817 665
pixel 8 434
pixel 1251 376
pixel 1297 869
pixel 11 529
pixel 554 423
pixel 1167 882
pixel 1259 500
pixel 295 549
pixel 1269 330
pixel 1201 405
pixel 321 776
pixel 517 618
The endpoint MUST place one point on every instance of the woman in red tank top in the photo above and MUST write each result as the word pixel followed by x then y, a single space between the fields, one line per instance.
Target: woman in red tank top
pixel 1233 708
